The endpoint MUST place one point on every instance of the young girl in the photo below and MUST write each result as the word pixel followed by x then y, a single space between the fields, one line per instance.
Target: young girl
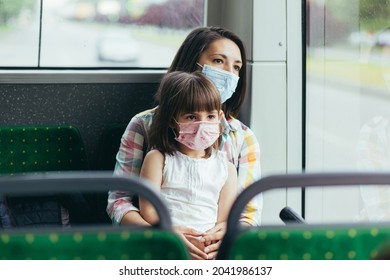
pixel 197 181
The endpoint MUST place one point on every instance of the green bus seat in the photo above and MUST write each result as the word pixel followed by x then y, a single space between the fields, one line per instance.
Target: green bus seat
pixel 93 242
pixel 312 242
pixel 26 149
pixel 301 241
pixel 41 148
pixel 100 243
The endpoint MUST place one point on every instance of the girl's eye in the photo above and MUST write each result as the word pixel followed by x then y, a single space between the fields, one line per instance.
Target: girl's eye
pixel 190 118
pixel 211 117
pixel 237 68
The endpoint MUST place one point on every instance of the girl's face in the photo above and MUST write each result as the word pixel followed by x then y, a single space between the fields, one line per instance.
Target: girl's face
pixel 223 54
pixel 213 116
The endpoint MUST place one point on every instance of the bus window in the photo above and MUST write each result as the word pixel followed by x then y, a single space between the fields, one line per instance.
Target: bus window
pixel 348 95
pixel 95 33
pixel 19 32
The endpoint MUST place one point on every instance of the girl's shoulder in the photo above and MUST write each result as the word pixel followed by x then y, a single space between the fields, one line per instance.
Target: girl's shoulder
pixel 220 156
pixel 155 155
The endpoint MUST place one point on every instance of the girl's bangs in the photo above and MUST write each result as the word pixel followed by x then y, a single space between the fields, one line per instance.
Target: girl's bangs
pixel 200 99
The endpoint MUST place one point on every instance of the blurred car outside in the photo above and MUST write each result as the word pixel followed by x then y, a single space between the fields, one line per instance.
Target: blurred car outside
pixel 382 38
pixel 117 46
pixel 362 38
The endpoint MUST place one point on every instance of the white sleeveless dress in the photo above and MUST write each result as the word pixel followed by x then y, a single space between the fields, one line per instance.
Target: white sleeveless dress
pixel 192 186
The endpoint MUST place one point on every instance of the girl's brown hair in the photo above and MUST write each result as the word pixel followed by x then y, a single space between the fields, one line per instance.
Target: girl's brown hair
pixel 180 92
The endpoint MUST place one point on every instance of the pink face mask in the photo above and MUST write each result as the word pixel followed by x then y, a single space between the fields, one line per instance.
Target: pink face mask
pixel 198 135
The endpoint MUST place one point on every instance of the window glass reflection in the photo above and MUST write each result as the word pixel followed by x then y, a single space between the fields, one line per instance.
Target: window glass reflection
pixel 95 33
pixel 19 32
pixel 348 96
pixel 116 33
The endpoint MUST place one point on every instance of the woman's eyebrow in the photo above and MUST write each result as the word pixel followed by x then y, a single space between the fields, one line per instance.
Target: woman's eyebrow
pixel 225 56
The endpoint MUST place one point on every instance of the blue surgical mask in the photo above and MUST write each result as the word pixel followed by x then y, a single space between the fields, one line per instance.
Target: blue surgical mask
pixel 224 81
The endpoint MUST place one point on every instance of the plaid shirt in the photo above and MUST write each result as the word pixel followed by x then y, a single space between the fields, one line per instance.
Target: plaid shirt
pixel 238 141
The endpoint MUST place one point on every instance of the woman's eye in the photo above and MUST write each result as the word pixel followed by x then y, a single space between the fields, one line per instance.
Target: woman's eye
pixel 218 61
pixel 190 118
pixel 237 68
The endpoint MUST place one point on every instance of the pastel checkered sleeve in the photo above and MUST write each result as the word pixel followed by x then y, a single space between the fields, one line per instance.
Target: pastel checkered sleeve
pixel 128 161
pixel 249 171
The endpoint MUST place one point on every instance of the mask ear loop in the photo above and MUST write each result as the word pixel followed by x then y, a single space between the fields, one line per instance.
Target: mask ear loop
pixel 173 129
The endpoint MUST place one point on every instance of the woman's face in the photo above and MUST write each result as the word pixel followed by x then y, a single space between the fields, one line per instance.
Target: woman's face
pixel 223 54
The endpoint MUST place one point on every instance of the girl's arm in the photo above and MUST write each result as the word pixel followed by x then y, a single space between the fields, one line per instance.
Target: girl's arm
pixel 152 170
pixel 213 237
pixel 228 194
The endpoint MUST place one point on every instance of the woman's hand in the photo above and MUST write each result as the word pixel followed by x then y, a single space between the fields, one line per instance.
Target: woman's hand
pixel 192 240
pixel 203 246
pixel 212 240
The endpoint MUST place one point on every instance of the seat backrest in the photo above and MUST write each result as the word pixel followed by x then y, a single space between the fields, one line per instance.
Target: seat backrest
pixel 41 148
pixel 304 241
pixel 100 243
pixel 25 149
pixel 109 145
pixel 156 242
pixel 312 242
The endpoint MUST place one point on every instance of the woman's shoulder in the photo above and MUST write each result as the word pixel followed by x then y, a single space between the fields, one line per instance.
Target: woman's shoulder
pixel 239 136
pixel 236 124
pixel 239 128
pixel 145 115
pixel 140 122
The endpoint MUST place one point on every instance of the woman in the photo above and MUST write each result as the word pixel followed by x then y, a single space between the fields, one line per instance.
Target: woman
pixel 206 49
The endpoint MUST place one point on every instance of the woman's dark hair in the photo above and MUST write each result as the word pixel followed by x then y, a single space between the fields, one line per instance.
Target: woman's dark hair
pixel 192 48
pixel 180 92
